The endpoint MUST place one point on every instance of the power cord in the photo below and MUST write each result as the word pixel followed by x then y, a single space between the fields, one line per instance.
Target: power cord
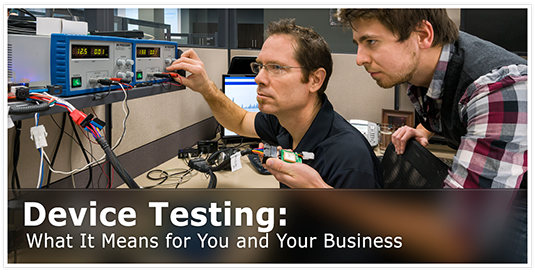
pixel 15 182
pixel 202 166
pixel 20 24
pixel 116 164
pixel 83 152
pixel 79 143
pixel 93 126
pixel 165 175
pixel 60 137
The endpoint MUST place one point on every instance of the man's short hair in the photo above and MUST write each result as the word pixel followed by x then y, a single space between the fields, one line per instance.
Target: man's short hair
pixel 312 51
pixel 402 22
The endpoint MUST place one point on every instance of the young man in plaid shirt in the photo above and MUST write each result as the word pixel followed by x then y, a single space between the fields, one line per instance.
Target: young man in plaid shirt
pixel 470 91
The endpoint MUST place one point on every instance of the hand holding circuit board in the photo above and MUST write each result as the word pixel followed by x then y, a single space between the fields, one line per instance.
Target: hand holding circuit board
pixel 287 167
pixel 266 151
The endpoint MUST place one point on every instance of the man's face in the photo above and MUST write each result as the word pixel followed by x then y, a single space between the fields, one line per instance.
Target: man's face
pixel 282 93
pixel 388 61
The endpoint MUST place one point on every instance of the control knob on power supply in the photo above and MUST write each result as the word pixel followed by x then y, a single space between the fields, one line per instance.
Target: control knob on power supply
pixel 169 61
pixel 120 62
pixel 121 75
pixel 129 62
pixel 129 74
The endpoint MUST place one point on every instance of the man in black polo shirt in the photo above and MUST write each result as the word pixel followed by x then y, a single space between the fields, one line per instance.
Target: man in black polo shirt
pixel 293 69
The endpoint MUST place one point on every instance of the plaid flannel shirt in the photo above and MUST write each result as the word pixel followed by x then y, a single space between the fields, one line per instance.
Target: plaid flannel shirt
pixel 493 153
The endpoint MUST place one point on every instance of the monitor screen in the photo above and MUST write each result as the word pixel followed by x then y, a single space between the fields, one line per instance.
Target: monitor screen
pixel 241 89
pixel 241 65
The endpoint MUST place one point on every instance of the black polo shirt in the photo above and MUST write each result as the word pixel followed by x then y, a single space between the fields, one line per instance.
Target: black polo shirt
pixel 343 156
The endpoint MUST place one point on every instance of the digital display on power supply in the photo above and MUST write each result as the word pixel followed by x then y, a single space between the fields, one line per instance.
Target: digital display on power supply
pixel 89 51
pixel 148 52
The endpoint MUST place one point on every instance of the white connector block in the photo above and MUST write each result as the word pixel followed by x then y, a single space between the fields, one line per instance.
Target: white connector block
pixel 307 155
pixel 38 135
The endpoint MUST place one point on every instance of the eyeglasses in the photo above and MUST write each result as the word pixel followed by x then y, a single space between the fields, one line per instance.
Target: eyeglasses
pixel 271 68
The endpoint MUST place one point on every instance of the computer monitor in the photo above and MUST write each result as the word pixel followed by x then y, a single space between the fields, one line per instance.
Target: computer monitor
pixel 241 89
pixel 241 65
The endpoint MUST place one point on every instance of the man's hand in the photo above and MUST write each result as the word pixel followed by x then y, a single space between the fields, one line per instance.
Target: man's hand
pixel 227 113
pixel 295 175
pixel 198 79
pixel 403 134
